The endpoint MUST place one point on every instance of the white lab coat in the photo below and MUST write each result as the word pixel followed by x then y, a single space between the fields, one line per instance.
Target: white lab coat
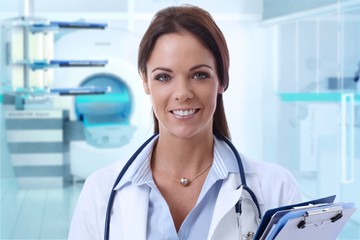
pixel 273 186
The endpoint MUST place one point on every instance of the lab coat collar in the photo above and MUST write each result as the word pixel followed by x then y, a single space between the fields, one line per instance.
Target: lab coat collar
pixel 224 217
pixel 230 192
pixel 131 207
pixel 228 196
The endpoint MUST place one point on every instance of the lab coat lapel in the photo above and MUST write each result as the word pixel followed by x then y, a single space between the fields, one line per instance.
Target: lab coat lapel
pixel 132 213
pixel 228 196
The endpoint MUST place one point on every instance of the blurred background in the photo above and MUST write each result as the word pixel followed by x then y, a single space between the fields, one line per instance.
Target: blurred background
pixel 72 101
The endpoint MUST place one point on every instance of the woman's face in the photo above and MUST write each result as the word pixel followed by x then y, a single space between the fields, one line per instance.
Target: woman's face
pixel 183 85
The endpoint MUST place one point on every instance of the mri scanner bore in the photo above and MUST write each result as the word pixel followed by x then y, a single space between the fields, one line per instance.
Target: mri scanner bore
pixel 105 117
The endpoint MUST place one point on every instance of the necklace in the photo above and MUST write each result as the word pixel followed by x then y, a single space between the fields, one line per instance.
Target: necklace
pixel 183 181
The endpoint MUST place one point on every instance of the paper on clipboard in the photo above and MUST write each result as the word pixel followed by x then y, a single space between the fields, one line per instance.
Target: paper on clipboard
pixel 318 227
pixel 280 214
pixel 321 223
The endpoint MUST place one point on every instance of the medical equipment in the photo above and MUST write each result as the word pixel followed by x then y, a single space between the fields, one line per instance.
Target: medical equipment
pixel 243 184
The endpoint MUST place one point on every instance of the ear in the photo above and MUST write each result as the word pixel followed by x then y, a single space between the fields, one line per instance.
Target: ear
pixel 221 89
pixel 145 83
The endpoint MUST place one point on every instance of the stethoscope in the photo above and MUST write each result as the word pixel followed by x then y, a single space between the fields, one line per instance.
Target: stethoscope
pixel 243 184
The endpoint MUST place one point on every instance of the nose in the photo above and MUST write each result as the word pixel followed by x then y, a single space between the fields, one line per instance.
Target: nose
pixel 183 90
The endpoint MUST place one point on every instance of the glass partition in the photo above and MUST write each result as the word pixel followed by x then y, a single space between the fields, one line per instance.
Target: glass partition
pixel 319 105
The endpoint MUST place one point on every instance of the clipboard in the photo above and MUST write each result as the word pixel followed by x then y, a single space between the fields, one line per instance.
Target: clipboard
pixel 320 225
pixel 270 214
pixel 279 216
pixel 320 221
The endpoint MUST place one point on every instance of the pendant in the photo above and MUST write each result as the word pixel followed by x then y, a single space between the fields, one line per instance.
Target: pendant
pixel 184 181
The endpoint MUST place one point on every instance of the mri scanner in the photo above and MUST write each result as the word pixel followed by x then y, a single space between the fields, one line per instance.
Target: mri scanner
pixel 50 80
pixel 114 123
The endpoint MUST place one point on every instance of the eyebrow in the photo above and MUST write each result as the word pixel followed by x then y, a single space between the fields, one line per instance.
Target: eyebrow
pixel 200 66
pixel 161 69
pixel 191 69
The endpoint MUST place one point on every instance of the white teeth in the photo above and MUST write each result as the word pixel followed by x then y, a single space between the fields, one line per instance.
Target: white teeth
pixel 184 113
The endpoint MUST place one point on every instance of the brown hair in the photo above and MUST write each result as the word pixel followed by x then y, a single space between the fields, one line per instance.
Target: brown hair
pixel 198 22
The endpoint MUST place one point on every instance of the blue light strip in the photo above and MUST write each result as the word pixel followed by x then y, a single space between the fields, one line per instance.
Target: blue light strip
pixel 313 97
pixel 114 97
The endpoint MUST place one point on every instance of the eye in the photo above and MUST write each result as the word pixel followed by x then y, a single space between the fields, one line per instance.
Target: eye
pixel 163 77
pixel 201 75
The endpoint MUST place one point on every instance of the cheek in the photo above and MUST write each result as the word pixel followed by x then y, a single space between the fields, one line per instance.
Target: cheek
pixel 214 102
pixel 210 100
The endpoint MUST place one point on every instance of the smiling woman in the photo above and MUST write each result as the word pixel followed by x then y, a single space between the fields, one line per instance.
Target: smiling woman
pixel 183 93
pixel 201 26
pixel 188 176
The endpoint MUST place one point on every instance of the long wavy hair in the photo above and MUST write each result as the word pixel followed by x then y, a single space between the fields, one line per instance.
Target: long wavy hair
pixel 199 23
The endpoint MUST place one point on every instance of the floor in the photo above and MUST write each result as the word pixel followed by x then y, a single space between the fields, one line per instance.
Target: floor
pixel 36 213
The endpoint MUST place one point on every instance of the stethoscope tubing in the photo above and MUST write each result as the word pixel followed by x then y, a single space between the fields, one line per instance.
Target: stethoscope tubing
pixel 242 172
pixel 134 156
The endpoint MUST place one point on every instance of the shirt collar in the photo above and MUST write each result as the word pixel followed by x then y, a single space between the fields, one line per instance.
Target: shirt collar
pixel 224 163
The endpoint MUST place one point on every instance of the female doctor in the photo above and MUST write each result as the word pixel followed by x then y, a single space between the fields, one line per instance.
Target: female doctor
pixel 187 181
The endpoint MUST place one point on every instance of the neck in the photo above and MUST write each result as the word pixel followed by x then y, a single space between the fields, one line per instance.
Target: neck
pixel 184 156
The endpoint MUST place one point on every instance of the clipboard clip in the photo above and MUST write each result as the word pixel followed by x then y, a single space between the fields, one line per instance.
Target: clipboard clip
pixel 303 223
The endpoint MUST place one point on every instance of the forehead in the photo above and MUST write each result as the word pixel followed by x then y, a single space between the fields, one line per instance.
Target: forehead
pixel 180 46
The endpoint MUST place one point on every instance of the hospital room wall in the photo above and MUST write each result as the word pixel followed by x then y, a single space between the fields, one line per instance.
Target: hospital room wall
pixel 279 8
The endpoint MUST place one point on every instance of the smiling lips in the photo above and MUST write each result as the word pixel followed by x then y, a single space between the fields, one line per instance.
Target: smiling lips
pixel 184 113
